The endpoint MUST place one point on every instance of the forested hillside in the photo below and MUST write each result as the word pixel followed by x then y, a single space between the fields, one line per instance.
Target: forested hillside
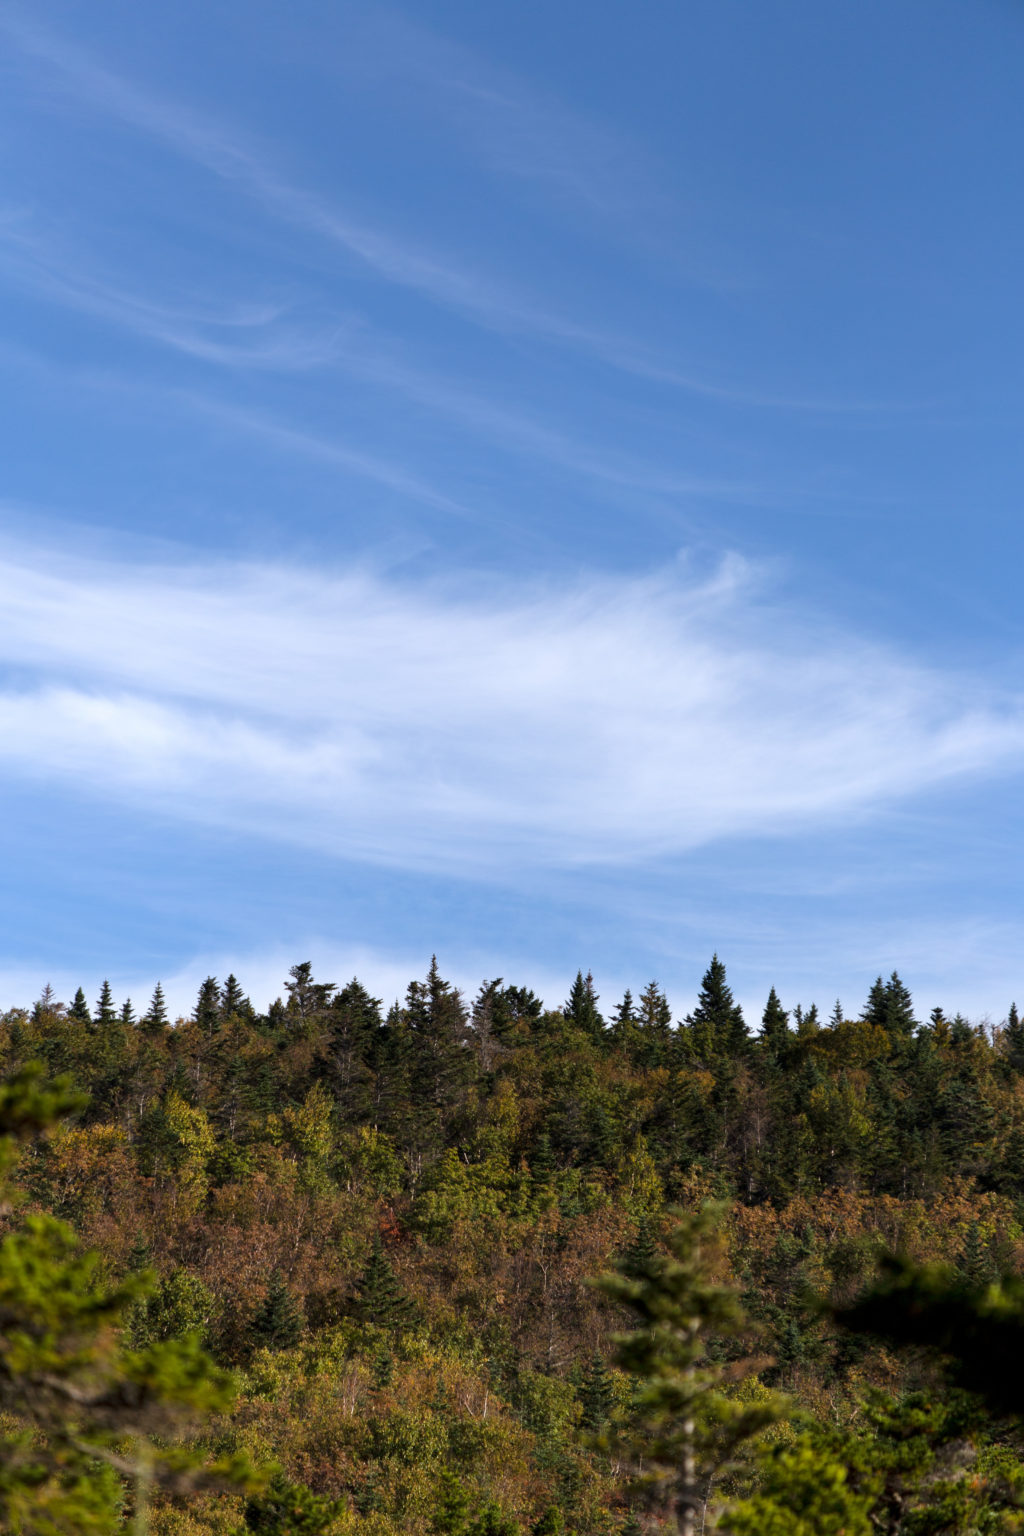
pixel 385 1221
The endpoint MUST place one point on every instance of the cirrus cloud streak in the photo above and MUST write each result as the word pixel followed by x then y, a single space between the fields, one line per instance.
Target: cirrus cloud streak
pixel 477 726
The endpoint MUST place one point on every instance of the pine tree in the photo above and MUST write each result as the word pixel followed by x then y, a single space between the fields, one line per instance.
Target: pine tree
pixel 835 1018
pixel 597 1396
pixel 79 1009
pixel 379 1296
pixel 354 1027
pixel 233 1000
pixel 489 1023
pixel 543 1167
pixel 580 1007
pixel 685 1428
pixel 624 1013
pixel 306 997
pixel 654 1024
pixel 207 1010
pixel 106 1013
pixel 278 1322
pixel 900 1020
pixel 716 1030
pixel 975 1264
pixel 889 1007
pixel 1013 1040
pixel 441 1062
pixel 382 1370
pixel 128 1014
pixel 641 1253
pixel 155 1018
pixel 775 1036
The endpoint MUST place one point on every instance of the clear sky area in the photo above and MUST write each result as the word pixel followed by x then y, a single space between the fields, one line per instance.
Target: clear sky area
pixel 540 483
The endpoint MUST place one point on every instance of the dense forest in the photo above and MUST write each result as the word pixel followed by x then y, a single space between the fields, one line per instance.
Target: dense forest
pixel 370 1242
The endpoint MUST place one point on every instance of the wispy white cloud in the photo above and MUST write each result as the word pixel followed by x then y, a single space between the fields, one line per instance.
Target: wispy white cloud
pixel 509 125
pixel 236 159
pixel 490 726
pixel 256 335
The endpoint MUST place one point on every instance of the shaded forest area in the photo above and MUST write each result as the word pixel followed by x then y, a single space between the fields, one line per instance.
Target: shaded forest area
pixel 387 1224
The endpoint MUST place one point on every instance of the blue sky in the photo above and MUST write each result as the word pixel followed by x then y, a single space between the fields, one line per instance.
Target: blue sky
pixel 536 483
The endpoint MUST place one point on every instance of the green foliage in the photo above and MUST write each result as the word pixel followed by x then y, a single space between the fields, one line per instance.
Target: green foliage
pixel 290 1509
pixel 79 1409
pixel 379 1296
pixel 278 1322
pixel 686 1427
pixel 977 1329
pixel 502 1155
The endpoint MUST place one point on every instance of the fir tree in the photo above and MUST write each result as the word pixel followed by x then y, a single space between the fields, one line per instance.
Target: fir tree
pixel 889 1007
pixel 624 1013
pixel 106 1013
pixel 306 997
pixel 597 1396
pixel 1013 1040
pixel 379 1296
pixel 686 1428
pixel 207 1010
pixel 543 1167
pixel 79 1009
pixel 155 1018
pixel 128 1014
pixel 654 1024
pixel 382 1370
pixel 774 1027
pixel 278 1322
pixel 489 1023
pixel 716 1027
pixel 354 1026
pixel 580 1007
pixel 835 1018
pixel 440 1061
pixel 233 1000
pixel 641 1253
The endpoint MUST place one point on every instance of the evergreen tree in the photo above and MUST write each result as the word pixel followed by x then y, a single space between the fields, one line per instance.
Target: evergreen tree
pixel 277 1324
pixel 207 1010
pixel 521 1005
pixel 440 1060
pixel 889 1007
pixel 716 1029
pixel 835 1018
pixel 379 1296
pixel 291 1509
pixel 350 1047
pixel 774 1027
pixel 306 997
pixel 580 1008
pixel 1013 1041
pixel 155 1018
pixel 106 1013
pixel 233 1001
pixel 624 1013
pixel 654 1023
pixel 543 1167
pixel 128 1018
pixel 640 1254
pixel 597 1396
pixel 685 1428
pixel 489 1023
pixel 79 1009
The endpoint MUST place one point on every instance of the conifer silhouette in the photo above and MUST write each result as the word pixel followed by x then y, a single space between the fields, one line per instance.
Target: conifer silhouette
pixel 379 1296
pixel 597 1394
pixel 278 1322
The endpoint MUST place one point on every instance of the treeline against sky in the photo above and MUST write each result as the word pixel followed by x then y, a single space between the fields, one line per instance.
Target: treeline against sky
pixel 387 1220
